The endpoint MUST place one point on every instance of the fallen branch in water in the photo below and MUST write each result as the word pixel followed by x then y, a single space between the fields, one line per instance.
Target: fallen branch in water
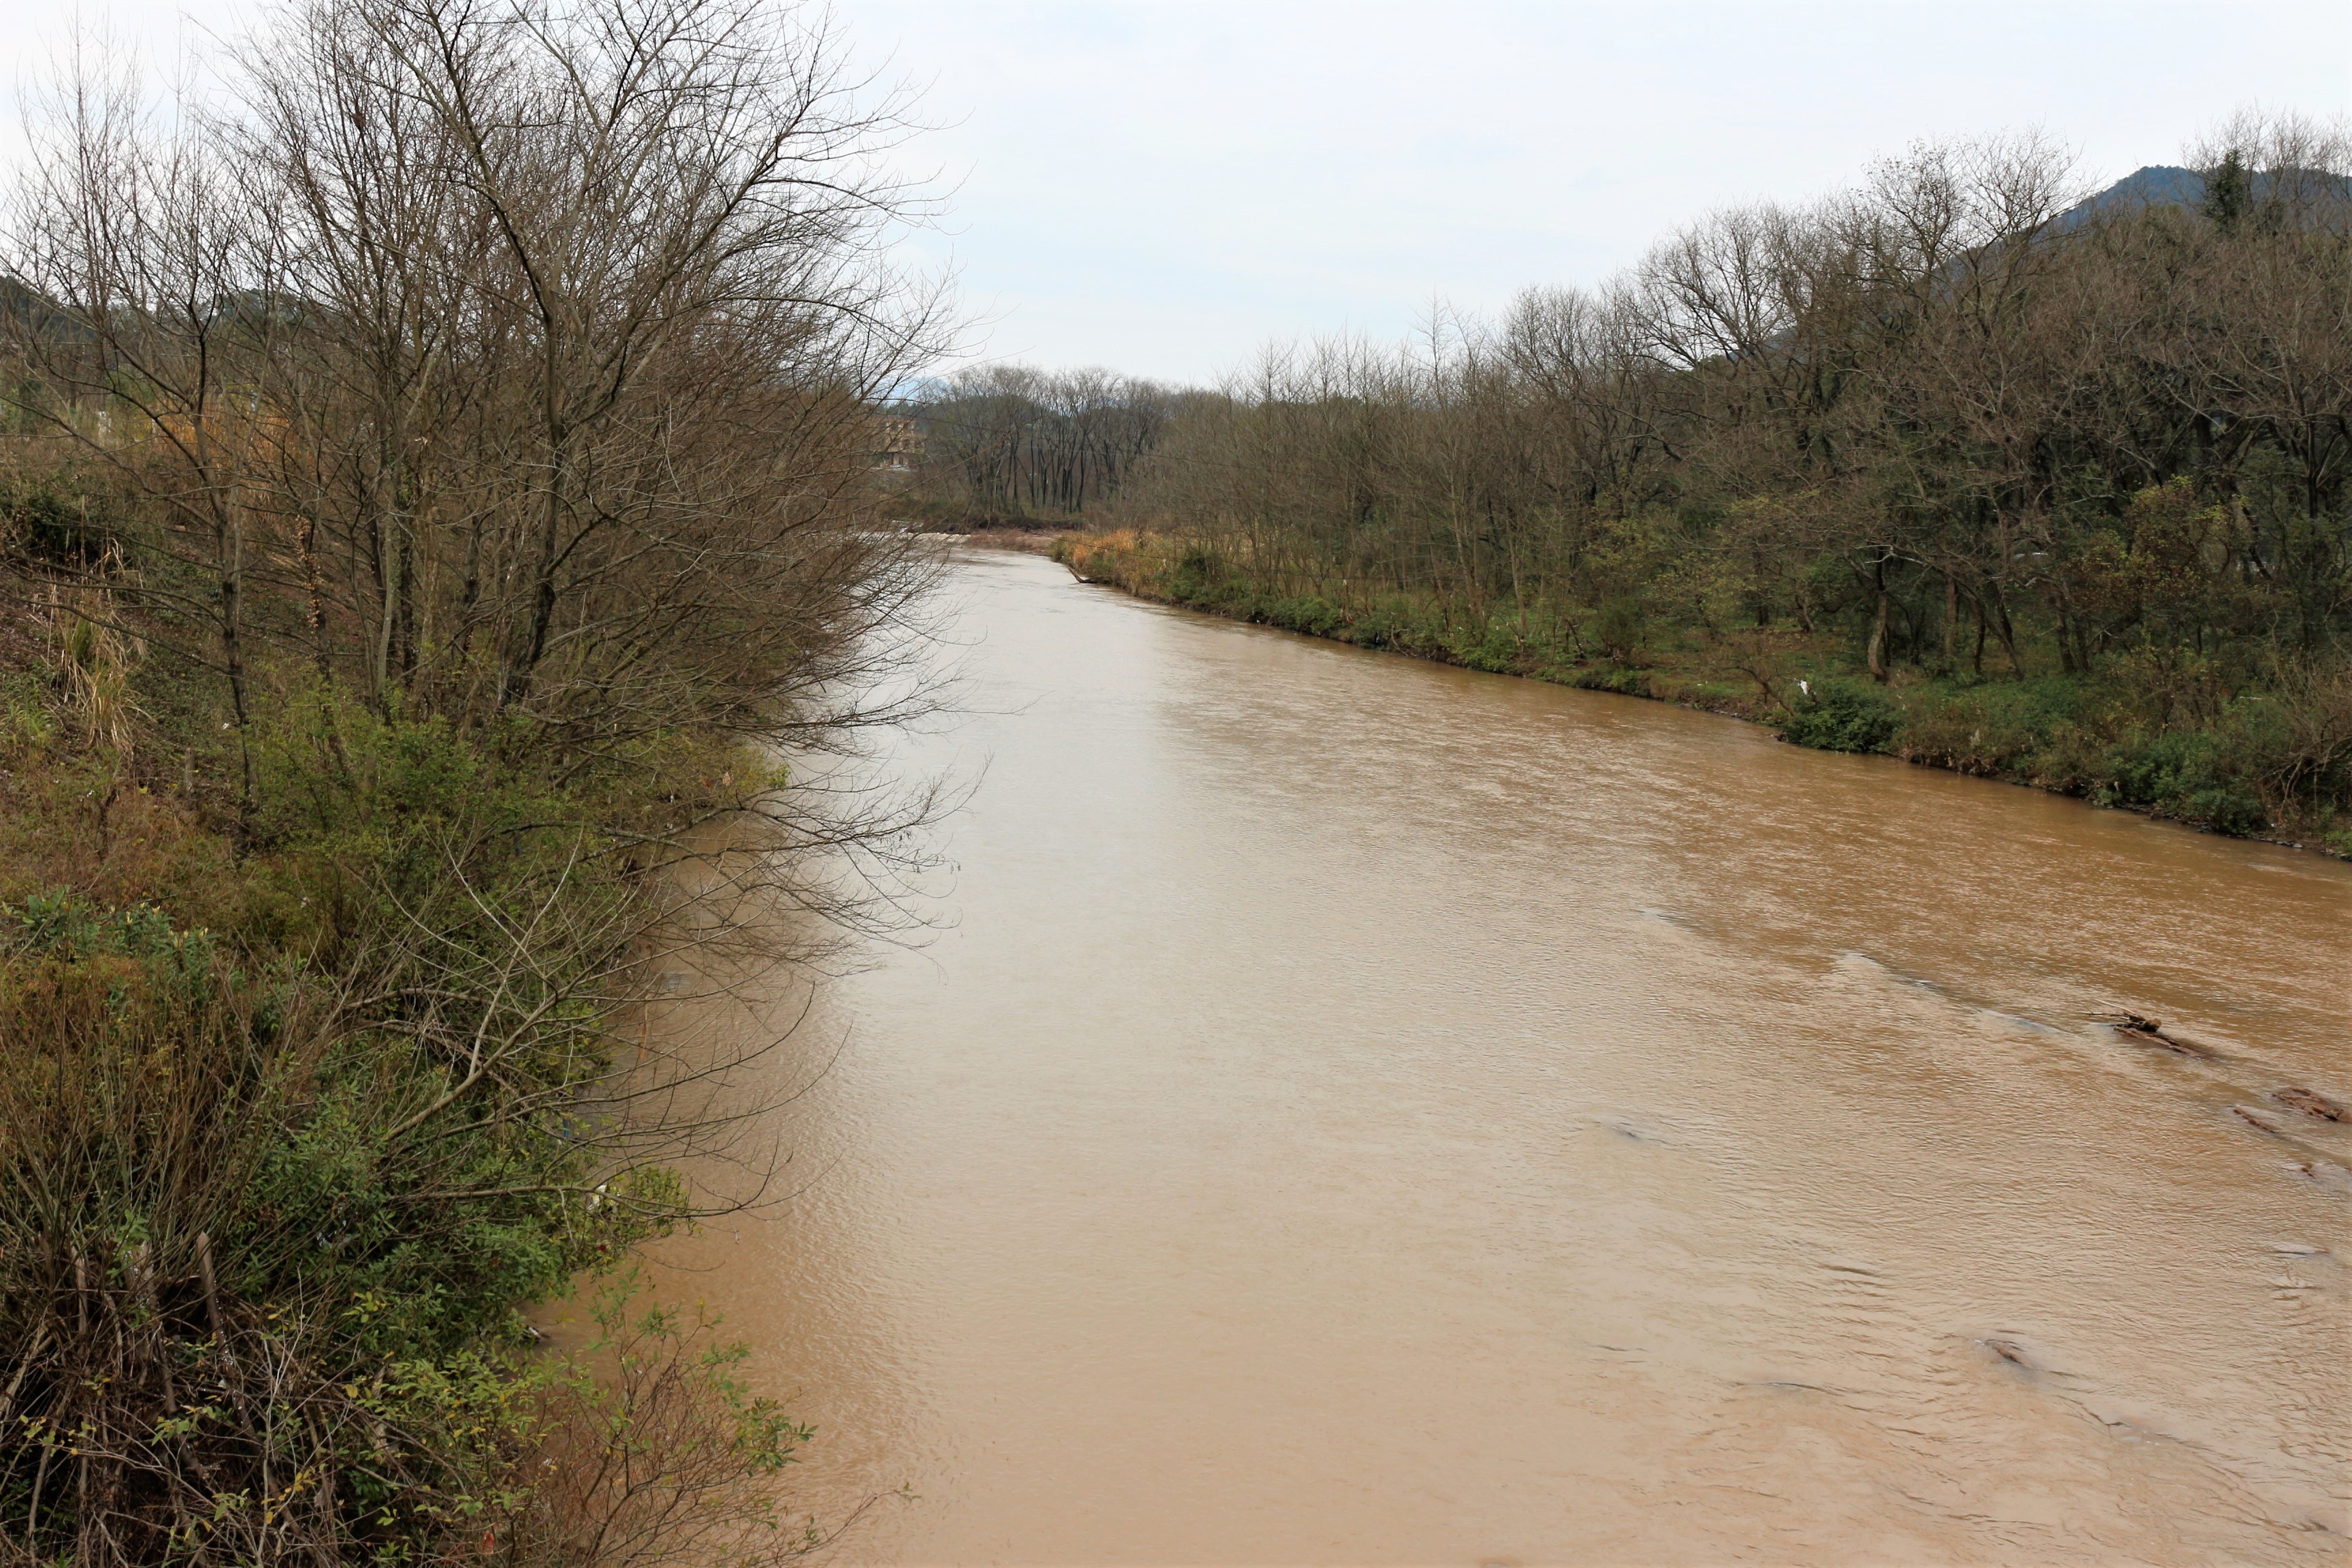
pixel 2311 1103
pixel 2149 1031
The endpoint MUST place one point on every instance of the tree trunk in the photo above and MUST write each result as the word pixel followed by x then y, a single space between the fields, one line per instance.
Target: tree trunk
pixel 2008 632
pixel 232 605
pixel 1879 625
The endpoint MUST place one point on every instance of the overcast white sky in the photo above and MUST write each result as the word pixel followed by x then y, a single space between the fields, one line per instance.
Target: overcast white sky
pixel 1161 186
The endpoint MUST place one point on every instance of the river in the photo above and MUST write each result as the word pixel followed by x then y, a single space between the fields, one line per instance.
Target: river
pixel 1354 1110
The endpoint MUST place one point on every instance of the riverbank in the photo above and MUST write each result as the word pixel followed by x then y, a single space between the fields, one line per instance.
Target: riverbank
pixel 362 704
pixel 310 1097
pixel 2235 773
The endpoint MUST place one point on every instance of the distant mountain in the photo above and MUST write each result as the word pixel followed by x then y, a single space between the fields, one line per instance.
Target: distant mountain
pixel 2168 186
pixel 2158 185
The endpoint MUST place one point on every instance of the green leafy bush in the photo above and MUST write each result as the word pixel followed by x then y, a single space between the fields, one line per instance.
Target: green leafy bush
pixel 1619 629
pixel 2191 776
pixel 1844 716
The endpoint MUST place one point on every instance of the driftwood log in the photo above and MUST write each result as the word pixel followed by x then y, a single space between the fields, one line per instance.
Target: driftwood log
pixel 2143 1030
pixel 2311 1102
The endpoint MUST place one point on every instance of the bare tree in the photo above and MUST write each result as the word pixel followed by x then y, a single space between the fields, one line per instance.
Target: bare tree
pixel 481 401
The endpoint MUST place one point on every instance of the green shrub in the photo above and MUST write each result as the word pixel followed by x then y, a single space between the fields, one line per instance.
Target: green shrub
pixel 26 721
pixel 1310 614
pixel 1612 677
pixel 1196 574
pixel 2188 774
pixel 1844 716
pixel 1619 629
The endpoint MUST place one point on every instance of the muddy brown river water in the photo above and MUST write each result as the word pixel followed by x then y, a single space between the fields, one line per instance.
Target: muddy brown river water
pixel 1359 1112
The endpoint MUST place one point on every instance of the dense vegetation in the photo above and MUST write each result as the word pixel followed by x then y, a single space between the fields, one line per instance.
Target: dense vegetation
pixel 1010 447
pixel 435 489
pixel 2012 483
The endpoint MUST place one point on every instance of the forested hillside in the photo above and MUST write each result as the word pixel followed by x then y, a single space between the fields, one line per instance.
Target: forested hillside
pixel 1957 465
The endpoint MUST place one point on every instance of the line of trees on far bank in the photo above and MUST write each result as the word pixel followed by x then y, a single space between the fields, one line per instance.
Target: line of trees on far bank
pixel 1963 422
pixel 1013 445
